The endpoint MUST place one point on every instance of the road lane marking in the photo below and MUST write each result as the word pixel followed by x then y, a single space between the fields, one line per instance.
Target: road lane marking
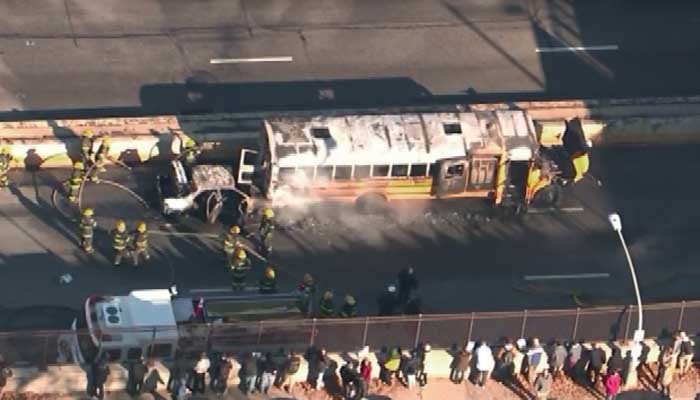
pixel 568 210
pixel 250 60
pixel 565 49
pixel 570 276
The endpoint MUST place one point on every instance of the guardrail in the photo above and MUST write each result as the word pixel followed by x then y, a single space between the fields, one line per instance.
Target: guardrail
pixel 610 323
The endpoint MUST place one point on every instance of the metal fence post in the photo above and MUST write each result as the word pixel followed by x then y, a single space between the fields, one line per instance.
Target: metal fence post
pixel 471 328
pixel 312 336
pixel 629 319
pixel 578 315
pixel 364 334
pixel 522 328
pixel 420 322
pixel 44 365
pixel 680 316
pixel 260 331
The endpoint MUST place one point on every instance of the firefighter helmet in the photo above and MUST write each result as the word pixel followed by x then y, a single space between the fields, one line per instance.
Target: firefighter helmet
pixel 87 133
pixel 269 272
pixel 268 213
pixel 189 142
pixel 120 225
pixel 88 212
pixel 4 150
pixel 78 165
pixel 328 295
pixel 349 300
pixel 106 141
pixel 141 226
pixel 235 229
pixel 240 254
pixel 391 288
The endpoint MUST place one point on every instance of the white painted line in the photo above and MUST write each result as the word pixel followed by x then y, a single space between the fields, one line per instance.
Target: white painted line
pixel 568 210
pixel 576 48
pixel 250 60
pixel 571 276
pixel 210 290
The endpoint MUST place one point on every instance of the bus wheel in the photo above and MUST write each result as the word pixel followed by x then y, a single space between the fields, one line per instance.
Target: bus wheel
pixel 549 196
pixel 371 203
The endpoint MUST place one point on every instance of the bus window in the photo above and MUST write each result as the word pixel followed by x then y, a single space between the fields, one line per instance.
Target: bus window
pixel 399 170
pixel 343 172
pixel 324 173
pixel 380 171
pixel 133 353
pixel 418 170
pixel 113 354
pixel 454 171
pixel 362 171
pixel 321 133
pixel 452 128
pixel 286 175
pixel 160 350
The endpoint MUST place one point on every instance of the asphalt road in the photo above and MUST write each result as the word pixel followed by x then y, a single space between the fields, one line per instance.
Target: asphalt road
pixel 465 261
pixel 121 57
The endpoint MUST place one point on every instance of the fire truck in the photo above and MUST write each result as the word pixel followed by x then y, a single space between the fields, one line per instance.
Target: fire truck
pixel 158 322
pixel 368 159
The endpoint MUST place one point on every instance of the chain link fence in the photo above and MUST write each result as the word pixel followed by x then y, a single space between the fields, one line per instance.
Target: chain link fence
pixel 440 330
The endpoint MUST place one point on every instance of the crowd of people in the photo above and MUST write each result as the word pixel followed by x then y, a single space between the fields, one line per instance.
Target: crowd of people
pixel 532 367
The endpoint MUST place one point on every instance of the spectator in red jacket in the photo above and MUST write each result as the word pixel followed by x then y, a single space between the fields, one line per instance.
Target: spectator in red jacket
pixel 612 384
pixel 366 370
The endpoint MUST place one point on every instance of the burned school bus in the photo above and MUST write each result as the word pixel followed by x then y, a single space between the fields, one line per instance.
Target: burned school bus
pixel 494 156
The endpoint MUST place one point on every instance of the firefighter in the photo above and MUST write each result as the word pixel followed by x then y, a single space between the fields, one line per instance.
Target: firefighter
pixel 5 160
pixel 307 292
pixel 239 267
pixel 86 143
pixel 87 229
pixel 120 239
pixel 190 151
pixel 268 283
pixel 140 243
pixel 231 241
pixel 101 156
pixel 326 308
pixel 408 283
pixel 76 179
pixel 267 227
pixel 388 301
pixel 349 307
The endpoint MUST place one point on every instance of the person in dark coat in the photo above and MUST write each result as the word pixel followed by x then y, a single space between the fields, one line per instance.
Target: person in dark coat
pixel 181 369
pixel 137 373
pixel 5 372
pixel 153 378
pixel 595 364
pixel 615 362
pixel 317 365
pixel 408 282
pixel 100 373
pixel 249 373
pixel 224 370
pixel 388 302
pixel 460 366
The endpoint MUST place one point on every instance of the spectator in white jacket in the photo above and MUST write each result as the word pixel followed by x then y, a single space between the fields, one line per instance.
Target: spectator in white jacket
pixel 537 360
pixel 484 363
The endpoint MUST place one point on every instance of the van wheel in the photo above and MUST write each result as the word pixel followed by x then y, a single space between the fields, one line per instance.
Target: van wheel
pixel 549 196
pixel 371 203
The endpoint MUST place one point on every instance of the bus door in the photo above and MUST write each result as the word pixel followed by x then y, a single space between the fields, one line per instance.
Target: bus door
pixel 451 177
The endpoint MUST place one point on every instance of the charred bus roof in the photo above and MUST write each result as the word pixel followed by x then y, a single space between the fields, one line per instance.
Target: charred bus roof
pixel 398 138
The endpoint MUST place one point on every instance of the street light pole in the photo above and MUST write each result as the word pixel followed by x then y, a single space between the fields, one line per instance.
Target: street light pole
pixel 631 379
pixel 634 281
